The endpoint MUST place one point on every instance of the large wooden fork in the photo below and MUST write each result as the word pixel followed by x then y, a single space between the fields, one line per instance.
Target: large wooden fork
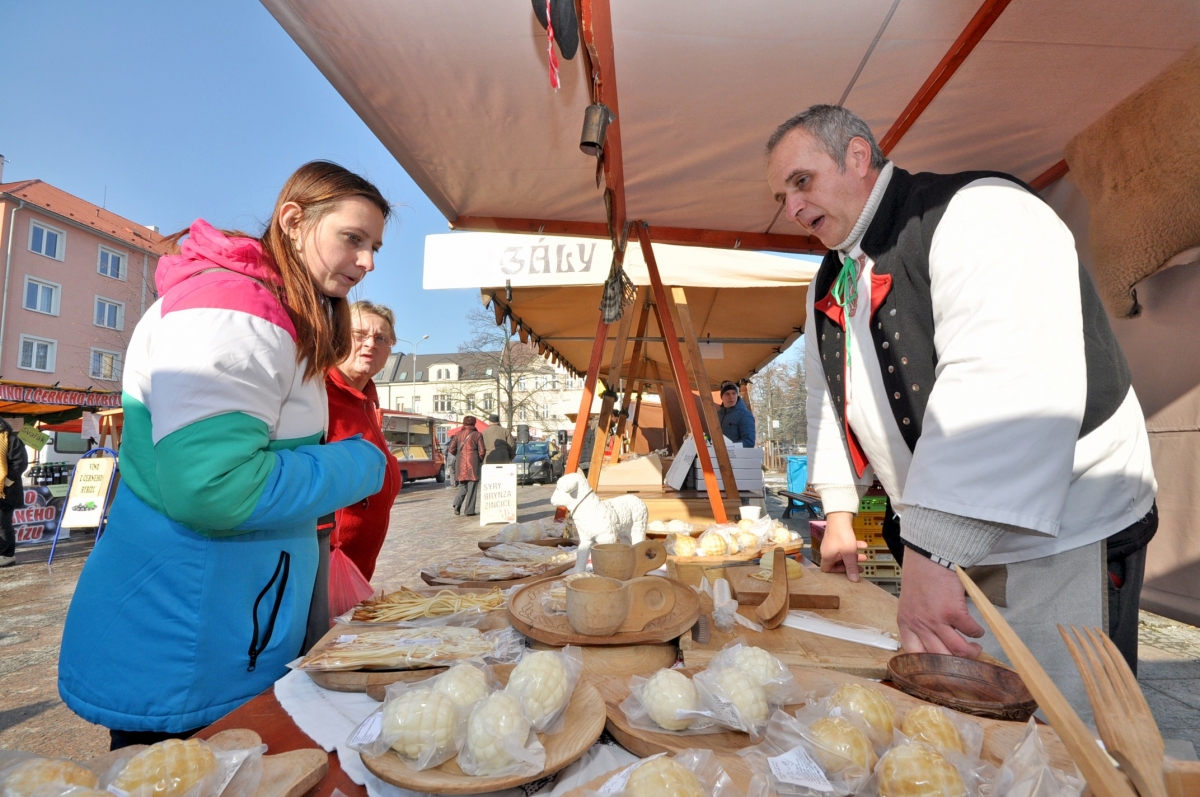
pixel 1122 715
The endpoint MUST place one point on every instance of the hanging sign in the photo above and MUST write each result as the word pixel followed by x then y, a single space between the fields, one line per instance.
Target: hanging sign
pixel 84 507
pixel 33 438
pixel 498 494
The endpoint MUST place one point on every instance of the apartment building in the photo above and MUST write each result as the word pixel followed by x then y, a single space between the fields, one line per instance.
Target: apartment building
pixel 76 280
pixel 449 386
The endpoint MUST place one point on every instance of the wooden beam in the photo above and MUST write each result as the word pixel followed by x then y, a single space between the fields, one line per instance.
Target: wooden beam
pixel 585 399
pixel 684 236
pixel 615 366
pixel 1050 176
pixel 667 325
pixel 976 29
pixel 679 297
pixel 635 371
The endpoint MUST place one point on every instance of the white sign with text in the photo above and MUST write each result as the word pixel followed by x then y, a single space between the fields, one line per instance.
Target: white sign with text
pixel 498 494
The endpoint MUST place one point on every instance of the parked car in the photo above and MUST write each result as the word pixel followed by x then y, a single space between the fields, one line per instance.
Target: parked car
pixel 538 461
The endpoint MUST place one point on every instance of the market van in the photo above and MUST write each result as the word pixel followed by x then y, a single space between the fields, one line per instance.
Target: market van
pixel 412 439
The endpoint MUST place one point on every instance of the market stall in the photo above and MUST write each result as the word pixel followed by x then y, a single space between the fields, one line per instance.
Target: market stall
pixel 757 712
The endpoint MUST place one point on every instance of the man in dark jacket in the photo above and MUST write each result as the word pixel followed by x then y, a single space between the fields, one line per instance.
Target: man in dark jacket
pixel 737 422
pixel 497 442
pixel 14 464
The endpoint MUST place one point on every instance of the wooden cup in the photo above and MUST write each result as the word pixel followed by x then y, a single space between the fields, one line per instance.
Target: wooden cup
pixel 606 606
pixel 623 561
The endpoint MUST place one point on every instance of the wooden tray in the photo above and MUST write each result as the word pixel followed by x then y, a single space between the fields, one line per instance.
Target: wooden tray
pixel 362 680
pixel 451 582
pixel 289 774
pixel 748 591
pixel 862 603
pixel 584 723
pixel 563 542
pixel 966 685
pixel 999 738
pixel 527 616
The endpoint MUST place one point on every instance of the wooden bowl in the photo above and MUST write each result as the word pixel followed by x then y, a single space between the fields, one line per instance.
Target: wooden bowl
pixel 966 685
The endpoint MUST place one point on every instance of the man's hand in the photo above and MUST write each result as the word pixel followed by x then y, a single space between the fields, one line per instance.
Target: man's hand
pixel 933 610
pixel 840 549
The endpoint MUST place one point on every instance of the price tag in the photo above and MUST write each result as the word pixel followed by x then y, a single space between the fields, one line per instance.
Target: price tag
pixel 797 768
pixel 726 713
pixel 368 731
pixel 346 638
pixel 619 781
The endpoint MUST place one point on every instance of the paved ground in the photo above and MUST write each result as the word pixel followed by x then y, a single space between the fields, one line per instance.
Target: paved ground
pixel 423 530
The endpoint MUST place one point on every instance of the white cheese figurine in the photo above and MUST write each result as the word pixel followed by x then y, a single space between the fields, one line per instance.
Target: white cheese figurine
pixel 870 707
pixel 914 770
pixel 666 692
pixel 843 745
pixel 422 722
pixel 758 664
pixel 463 684
pixel 495 719
pixel 745 693
pixel 542 685
pixel 662 777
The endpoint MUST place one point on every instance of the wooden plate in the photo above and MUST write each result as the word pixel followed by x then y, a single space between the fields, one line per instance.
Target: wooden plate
pixel 451 582
pixel 527 616
pixel 662 535
pixel 584 724
pixel 972 687
pixel 999 737
pixel 564 542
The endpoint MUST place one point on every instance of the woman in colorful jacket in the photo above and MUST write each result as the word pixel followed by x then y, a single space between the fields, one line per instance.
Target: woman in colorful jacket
pixel 197 595
pixel 354 410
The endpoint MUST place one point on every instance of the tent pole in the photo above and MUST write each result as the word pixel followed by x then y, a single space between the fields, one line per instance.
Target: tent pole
pixel 635 373
pixel 615 366
pixel 679 297
pixel 667 325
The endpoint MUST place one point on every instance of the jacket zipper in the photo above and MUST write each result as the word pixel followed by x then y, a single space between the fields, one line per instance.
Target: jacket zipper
pixel 280 575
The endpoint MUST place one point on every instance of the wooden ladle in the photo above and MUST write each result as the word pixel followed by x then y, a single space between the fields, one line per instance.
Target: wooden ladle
pixel 772 611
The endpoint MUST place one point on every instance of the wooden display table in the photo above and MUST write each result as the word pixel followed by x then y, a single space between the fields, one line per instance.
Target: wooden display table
pixel 862 603
pixel 690 505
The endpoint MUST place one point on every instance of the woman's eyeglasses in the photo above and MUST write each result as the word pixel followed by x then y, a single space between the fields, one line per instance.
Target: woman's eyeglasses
pixel 361 336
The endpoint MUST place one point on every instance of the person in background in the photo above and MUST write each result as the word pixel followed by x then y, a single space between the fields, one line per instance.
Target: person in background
pixel 467 448
pixel 497 442
pixel 12 495
pixel 354 410
pixel 737 422
pixel 451 460
pixel 197 596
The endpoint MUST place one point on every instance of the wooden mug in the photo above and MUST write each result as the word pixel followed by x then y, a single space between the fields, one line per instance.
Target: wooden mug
pixel 623 561
pixel 601 606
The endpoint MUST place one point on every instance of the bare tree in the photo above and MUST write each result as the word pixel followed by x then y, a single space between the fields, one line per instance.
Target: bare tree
pixel 521 378
pixel 779 394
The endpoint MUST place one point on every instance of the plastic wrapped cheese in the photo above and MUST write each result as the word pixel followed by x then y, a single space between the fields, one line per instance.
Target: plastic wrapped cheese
pixel 499 740
pixel 420 725
pixel 462 683
pixel 747 542
pixel 543 681
pixel 681 545
pixel 172 768
pixel 663 777
pixel 745 693
pixel 780 534
pixel 42 775
pixel 680 526
pixel 933 726
pixel 867 706
pixel 758 664
pixel 915 770
pixel 657 525
pixel 667 692
pixel 841 745
pixel 712 543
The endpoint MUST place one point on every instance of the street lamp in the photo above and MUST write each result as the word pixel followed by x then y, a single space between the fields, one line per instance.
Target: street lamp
pixel 413 399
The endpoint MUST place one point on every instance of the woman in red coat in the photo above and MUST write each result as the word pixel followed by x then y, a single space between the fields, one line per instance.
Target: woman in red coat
pixel 354 409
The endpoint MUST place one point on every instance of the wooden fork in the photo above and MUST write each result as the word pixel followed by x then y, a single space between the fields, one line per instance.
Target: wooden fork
pixel 1122 715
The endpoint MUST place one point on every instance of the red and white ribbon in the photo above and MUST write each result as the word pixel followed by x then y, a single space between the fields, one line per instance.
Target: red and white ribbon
pixel 554 81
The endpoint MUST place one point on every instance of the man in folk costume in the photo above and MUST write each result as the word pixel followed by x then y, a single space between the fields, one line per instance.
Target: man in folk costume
pixel 957 351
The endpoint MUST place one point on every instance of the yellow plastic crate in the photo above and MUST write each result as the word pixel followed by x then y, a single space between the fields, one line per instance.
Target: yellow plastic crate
pixel 879 553
pixel 873 570
pixel 868 521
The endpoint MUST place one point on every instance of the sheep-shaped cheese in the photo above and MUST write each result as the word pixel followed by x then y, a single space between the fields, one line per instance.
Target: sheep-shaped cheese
pixel 620 519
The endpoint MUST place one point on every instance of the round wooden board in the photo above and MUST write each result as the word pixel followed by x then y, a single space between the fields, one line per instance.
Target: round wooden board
pixel 662 535
pixel 527 616
pixel 584 724
pixel 626 660
pixel 562 542
pixel 450 582
pixel 999 737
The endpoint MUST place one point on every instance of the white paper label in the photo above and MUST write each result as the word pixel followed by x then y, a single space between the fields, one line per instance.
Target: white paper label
pixel 797 768
pixel 232 770
pixel 119 792
pixel 369 730
pixel 345 638
pixel 619 781
pixel 727 714
pixel 429 640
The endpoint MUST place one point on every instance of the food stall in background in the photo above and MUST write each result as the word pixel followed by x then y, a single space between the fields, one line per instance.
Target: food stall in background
pixel 413 441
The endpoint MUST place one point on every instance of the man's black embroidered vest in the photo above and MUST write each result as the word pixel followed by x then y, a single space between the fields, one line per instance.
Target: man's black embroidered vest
pixel 898 240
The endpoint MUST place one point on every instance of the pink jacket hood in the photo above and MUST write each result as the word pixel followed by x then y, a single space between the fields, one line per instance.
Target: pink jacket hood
pixel 207 247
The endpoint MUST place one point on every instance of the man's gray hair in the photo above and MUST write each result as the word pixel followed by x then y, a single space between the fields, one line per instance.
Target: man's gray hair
pixel 833 126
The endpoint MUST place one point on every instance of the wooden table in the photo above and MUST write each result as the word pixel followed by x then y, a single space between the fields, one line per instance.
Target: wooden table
pixel 280 734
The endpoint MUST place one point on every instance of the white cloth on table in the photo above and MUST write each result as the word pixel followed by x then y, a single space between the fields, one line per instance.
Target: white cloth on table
pixel 330 717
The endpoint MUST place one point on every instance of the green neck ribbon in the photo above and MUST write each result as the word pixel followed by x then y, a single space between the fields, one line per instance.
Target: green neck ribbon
pixel 845 294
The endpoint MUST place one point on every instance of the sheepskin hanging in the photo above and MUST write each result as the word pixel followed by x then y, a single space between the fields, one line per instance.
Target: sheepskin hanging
pixel 1138 168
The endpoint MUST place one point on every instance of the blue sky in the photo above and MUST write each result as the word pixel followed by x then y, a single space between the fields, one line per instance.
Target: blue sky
pixel 179 110
pixel 169 111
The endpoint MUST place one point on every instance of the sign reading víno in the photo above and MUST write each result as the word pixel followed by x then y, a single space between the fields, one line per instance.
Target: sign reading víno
pixel 84 507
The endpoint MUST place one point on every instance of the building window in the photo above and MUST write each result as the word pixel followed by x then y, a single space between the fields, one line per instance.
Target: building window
pixel 112 264
pixel 545 413
pixel 41 297
pixel 37 354
pixel 521 414
pixel 416 404
pixel 109 314
pixel 46 240
pixel 106 365
pixel 470 401
pixel 520 383
pixel 443 403
pixel 403 375
pixel 487 401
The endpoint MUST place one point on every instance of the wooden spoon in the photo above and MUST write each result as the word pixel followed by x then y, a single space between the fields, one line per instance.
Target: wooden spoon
pixel 772 611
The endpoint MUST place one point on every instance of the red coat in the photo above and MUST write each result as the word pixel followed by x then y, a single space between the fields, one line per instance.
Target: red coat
pixel 361 527
pixel 467 447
